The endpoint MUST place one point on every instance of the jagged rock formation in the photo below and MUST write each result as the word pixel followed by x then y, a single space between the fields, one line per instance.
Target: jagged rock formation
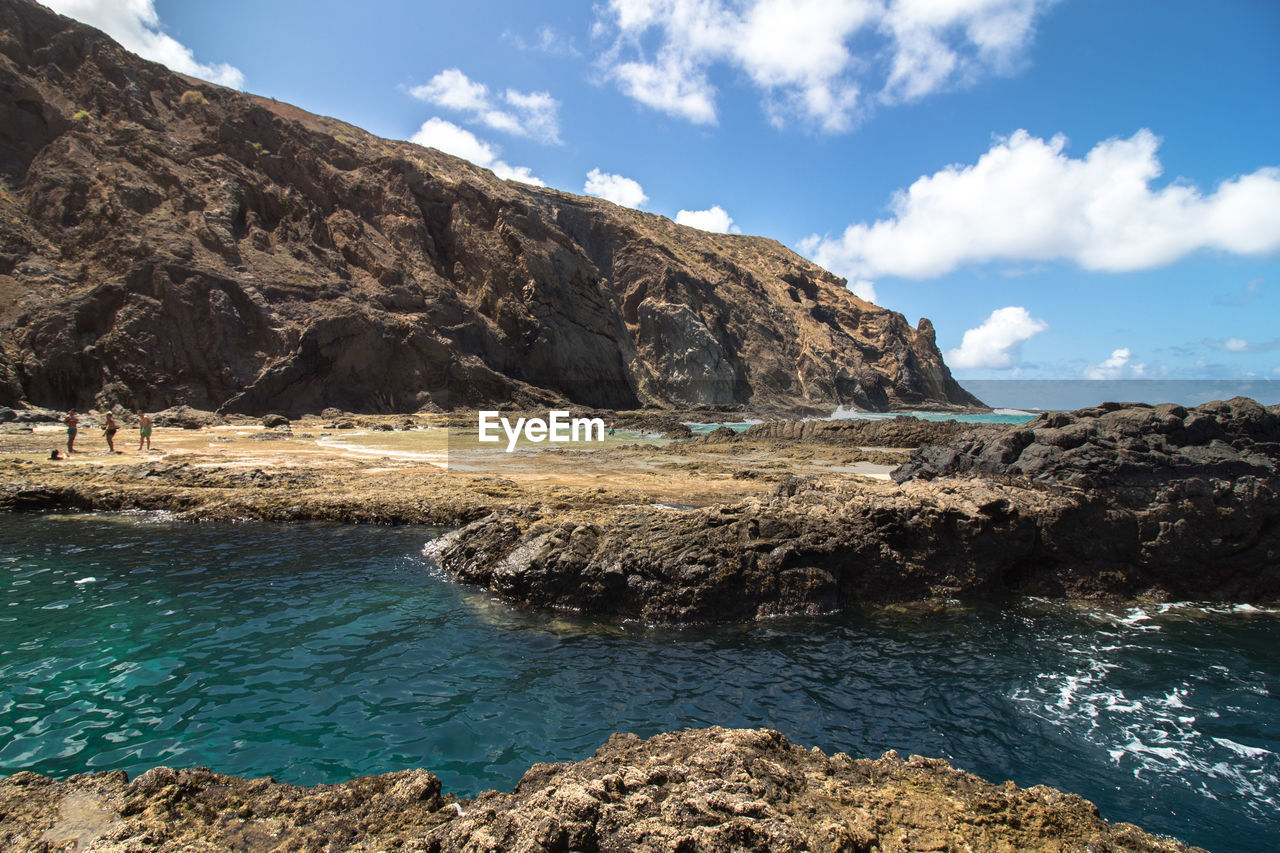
pixel 698 791
pixel 164 241
pixel 1114 501
pixel 1116 444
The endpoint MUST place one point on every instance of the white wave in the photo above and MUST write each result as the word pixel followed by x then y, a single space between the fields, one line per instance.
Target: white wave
pixel 1241 749
pixel 1134 618
pixel 1153 733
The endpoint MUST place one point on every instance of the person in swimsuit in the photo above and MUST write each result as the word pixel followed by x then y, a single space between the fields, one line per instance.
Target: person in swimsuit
pixel 72 420
pixel 144 429
pixel 109 431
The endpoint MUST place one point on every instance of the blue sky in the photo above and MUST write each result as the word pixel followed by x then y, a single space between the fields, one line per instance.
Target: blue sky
pixel 1069 189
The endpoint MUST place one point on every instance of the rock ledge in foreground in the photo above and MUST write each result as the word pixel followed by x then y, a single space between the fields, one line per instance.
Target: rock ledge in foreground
pixel 709 790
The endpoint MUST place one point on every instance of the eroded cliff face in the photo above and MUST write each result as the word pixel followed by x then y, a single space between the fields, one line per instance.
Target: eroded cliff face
pixel 164 241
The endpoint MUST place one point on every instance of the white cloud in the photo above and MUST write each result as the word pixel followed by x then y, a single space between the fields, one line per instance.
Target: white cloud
pixel 1116 367
pixel 549 40
pixel 531 114
pixel 673 87
pixel 454 90
pixel 135 24
pixel 715 220
pixel 864 289
pixel 1243 345
pixel 614 188
pixel 936 44
pixel 451 139
pixel 1026 200
pixel 995 344
pixel 800 54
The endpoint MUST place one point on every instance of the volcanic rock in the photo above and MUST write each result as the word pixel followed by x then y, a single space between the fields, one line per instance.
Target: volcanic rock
pixel 164 241
pixel 186 417
pixel 700 791
pixel 1116 444
pixel 900 431
pixel 1153 501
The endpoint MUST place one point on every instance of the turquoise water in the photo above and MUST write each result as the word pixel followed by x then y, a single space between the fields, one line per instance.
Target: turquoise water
pixel 1000 417
pixel 703 429
pixel 315 653
pixel 1004 416
pixel 1069 394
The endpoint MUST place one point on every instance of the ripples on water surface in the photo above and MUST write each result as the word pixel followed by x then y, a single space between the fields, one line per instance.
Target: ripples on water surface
pixel 316 653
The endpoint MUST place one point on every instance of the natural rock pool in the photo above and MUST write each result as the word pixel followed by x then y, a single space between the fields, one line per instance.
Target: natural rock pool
pixel 315 653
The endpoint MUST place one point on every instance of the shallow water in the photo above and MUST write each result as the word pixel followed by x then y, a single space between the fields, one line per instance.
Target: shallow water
pixel 998 416
pixel 1001 416
pixel 316 653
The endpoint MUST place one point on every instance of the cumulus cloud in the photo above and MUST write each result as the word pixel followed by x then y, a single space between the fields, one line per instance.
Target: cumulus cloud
pixel 448 137
pixel 672 86
pixel 135 24
pixel 864 289
pixel 1118 366
pixel 614 188
pixel 801 55
pixel 715 219
pixel 1026 200
pixel 937 44
pixel 996 343
pixel 531 114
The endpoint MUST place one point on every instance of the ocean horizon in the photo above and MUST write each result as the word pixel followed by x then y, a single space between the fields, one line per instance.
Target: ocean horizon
pixel 1070 394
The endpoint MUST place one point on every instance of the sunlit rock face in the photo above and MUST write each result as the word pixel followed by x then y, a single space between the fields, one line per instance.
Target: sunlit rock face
pixel 164 241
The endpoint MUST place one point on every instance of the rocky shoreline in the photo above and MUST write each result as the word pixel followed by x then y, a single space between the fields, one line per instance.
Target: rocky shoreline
pixel 1128 501
pixel 1118 500
pixel 1122 501
pixel 698 791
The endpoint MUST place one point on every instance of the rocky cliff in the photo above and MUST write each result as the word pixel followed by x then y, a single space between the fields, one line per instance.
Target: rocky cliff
pixel 164 241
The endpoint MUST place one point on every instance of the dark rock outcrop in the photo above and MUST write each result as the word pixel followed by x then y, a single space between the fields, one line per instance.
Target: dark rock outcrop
pixel 1143 512
pixel 1130 444
pixel 699 791
pixel 164 241
pixel 901 431
pixel 185 417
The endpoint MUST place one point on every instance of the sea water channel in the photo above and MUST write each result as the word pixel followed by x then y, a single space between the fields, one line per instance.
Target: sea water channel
pixel 316 653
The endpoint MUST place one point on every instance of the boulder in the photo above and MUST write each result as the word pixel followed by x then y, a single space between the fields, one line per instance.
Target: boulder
pixel 185 417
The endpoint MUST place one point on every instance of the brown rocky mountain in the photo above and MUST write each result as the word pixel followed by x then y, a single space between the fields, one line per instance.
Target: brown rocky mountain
pixel 165 241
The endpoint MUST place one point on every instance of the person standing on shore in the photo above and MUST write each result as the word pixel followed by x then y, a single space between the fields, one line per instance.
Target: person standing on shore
pixel 144 429
pixel 72 420
pixel 109 432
